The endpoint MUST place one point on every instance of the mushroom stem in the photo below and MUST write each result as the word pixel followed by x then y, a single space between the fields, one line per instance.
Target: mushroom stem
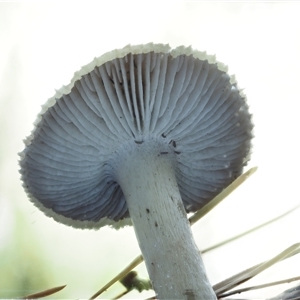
pixel 175 267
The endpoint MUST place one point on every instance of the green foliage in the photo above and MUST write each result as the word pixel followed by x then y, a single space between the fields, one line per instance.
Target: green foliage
pixel 23 271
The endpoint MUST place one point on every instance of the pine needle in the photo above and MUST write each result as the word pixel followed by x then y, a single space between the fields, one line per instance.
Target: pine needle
pixel 44 293
pixel 261 286
pixel 249 231
pixel 290 294
pixel 227 191
pixel 246 275
pixel 121 295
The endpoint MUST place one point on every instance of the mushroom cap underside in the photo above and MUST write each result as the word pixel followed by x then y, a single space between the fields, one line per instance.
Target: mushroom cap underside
pixel 182 99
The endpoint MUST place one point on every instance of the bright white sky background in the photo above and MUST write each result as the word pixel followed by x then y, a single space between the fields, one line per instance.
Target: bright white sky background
pixel 43 44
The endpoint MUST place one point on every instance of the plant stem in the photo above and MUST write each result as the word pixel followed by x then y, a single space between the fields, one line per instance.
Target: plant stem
pixel 175 267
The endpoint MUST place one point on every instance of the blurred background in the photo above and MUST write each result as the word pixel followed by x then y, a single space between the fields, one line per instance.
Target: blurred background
pixel 43 44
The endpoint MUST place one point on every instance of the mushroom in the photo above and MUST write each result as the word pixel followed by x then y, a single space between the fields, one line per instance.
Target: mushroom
pixel 145 135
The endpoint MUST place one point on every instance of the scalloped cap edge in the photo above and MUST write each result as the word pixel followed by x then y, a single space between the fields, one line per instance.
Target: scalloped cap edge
pixel 119 53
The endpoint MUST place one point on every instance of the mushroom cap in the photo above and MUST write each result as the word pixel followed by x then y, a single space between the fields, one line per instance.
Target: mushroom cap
pixel 182 98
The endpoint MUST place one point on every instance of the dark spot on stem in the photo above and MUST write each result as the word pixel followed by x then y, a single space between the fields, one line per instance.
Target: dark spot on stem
pixel 139 142
pixel 189 294
pixel 164 152
pixel 156 225
pixel 163 135
pixel 147 210
pixel 177 152
pixel 173 143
